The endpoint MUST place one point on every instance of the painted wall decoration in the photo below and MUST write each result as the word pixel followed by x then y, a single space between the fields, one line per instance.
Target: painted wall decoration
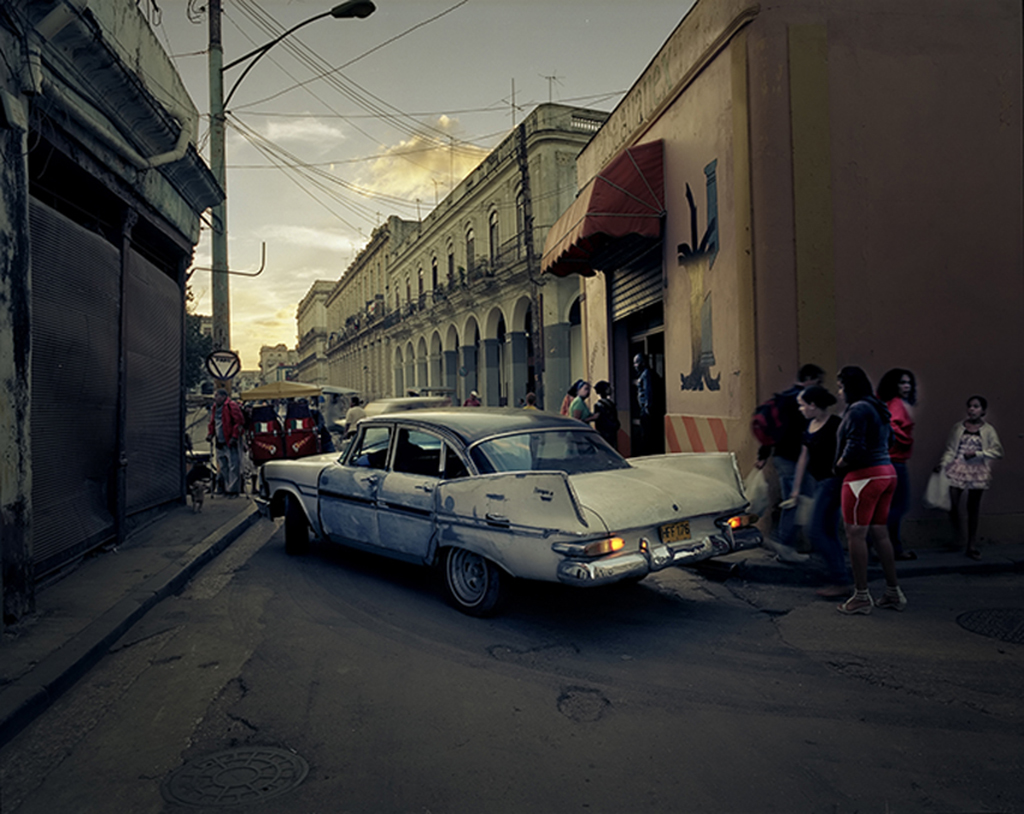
pixel 698 258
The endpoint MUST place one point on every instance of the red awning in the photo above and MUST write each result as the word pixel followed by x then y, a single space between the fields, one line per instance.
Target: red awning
pixel 627 198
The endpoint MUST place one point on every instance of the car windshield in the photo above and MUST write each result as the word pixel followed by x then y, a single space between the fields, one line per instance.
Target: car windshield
pixel 570 451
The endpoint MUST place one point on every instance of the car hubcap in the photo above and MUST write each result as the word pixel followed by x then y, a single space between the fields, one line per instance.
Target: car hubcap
pixel 467 575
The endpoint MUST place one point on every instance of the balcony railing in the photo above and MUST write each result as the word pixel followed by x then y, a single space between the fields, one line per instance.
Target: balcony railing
pixel 510 252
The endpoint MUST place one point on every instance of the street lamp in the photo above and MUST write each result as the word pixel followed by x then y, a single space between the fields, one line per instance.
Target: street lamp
pixel 221 302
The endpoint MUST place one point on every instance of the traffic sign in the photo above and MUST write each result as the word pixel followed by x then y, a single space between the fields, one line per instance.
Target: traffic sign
pixel 223 364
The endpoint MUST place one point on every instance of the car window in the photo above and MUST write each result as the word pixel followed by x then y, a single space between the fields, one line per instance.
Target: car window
pixel 571 451
pixel 453 465
pixel 371 448
pixel 417 453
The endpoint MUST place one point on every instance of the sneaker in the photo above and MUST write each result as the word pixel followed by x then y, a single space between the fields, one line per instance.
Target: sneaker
pixel 894 600
pixel 856 604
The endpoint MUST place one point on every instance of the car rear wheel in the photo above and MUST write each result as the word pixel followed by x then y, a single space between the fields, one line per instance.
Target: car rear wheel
pixel 473 584
pixel 296 527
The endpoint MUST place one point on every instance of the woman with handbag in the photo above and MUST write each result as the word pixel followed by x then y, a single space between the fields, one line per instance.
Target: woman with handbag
pixel 973 445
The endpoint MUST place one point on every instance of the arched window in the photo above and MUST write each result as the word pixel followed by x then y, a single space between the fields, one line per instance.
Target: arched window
pixel 408 289
pixel 493 236
pixel 451 262
pixel 433 273
pixel 520 215
pixel 419 283
pixel 470 249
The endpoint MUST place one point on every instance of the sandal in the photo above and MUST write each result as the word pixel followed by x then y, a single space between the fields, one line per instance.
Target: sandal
pixel 856 604
pixel 973 553
pixel 893 599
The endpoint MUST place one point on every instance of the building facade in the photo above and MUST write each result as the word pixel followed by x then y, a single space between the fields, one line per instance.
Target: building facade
pixel 461 290
pixel 311 318
pixel 102 189
pixel 819 204
pixel 356 308
pixel 277 363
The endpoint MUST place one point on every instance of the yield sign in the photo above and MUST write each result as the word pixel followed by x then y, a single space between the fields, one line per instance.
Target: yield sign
pixel 223 364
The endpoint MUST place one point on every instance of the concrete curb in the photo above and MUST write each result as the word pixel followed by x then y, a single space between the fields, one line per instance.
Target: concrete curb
pixel 765 570
pixel 23 700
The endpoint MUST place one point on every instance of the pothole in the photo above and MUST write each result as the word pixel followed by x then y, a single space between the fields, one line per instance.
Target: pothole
pixel 235 777
pixel 1005 624
pixel 582 704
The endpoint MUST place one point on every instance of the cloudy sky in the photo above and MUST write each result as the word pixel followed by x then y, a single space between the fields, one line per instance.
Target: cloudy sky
pixel 349 121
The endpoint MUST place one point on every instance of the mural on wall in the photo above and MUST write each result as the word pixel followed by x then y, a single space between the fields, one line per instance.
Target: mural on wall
pixel 698 258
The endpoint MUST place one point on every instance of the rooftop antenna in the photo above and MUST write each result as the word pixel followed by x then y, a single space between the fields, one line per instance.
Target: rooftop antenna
pixel 552 79
pixel 513 103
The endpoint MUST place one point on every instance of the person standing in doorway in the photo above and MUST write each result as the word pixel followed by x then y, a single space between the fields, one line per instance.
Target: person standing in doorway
pixel 225 430
pixel 645 401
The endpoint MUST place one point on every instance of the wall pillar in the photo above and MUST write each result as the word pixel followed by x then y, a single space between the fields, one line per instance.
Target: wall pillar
pixel 17 575
pixel 519 367
pixel 470 381
pixel 491 393
pixel 450 379
pixel 557 367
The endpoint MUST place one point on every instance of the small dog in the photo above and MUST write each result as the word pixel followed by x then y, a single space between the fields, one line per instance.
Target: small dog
pixel 198 482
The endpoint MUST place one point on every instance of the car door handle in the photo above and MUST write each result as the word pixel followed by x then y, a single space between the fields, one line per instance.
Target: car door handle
pixel 424 487
pixel 497 519
pixel 373 480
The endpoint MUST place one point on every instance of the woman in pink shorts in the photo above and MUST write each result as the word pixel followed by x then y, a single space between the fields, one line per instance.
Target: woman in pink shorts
pixel 869 482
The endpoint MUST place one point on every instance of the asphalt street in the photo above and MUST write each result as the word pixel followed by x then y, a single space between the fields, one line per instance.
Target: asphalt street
pixel 356 688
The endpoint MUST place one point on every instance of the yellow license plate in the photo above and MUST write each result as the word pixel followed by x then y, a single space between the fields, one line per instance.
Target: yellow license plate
pixel 674 532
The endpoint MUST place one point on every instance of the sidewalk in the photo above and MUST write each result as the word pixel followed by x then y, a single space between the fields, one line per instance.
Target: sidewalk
pixel 80 616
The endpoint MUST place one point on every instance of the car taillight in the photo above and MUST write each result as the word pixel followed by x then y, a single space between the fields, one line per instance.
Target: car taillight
pixel 600 547
pixel 738 521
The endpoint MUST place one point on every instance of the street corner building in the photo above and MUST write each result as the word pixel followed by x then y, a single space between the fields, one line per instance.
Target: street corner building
pixel 811 182
pixel 102 190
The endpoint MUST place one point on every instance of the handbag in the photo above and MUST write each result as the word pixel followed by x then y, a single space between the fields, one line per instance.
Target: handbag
pixel 936 493
pixel 758 491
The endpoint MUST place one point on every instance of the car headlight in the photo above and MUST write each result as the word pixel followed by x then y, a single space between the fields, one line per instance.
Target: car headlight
pixel 595 548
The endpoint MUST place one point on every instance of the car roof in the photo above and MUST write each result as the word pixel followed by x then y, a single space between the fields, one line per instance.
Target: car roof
pixel 472 424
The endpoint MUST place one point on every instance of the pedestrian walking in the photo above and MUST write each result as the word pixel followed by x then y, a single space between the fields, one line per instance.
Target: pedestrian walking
pixel 779 426
pixel 973 445
pixel 225 430
pixel 473 400
pixel 815 464
pixel 579 409
pixel 570 394
pixel 869 481
pixel 897 390
pixel 607 414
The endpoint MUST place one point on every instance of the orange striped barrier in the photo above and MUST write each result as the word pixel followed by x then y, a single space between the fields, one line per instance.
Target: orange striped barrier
pixel 688 433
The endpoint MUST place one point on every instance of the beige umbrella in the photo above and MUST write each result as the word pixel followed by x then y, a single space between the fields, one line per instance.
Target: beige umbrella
pixel 281 390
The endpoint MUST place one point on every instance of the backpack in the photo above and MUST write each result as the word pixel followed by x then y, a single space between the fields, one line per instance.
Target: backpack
pixel 767 423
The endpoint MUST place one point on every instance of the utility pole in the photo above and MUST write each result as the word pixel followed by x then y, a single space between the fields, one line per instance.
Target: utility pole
pixel 537 300
pixel 219 235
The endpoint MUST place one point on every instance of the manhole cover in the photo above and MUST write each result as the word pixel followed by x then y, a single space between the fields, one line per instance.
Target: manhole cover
pixel 235 777
pixel 1005 624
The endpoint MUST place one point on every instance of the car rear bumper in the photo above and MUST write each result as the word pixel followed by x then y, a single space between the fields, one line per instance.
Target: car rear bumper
pixel 654 557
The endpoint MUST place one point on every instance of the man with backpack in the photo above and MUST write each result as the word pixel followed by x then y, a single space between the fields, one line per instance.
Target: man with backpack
pixel 779 427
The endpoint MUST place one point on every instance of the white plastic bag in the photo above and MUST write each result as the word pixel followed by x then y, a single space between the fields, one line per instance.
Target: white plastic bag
pixel 936 493
pixel 758 491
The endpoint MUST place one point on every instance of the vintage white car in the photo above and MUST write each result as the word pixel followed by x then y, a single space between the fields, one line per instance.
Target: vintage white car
pixel 489 494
